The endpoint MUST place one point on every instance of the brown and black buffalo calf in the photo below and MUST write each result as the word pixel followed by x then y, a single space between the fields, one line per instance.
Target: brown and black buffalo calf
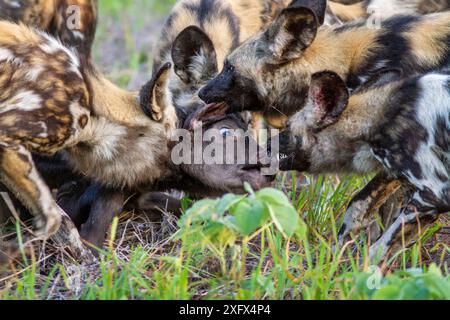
pixel 92 207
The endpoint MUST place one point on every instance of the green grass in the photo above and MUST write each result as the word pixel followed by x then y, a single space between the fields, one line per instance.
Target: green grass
pixel 283 250
pixel 280 251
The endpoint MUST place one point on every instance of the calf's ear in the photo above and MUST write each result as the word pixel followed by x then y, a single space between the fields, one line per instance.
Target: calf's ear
pixel 329 97
pixel 194 56
pixel 291 33
pixel 154 96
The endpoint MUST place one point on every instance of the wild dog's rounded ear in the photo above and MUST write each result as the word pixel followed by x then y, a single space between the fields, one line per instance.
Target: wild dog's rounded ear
pixel 319 7
pixel 291 33
pixel 208 113
pixel 153 97
pixel 194 56
pixel 329 96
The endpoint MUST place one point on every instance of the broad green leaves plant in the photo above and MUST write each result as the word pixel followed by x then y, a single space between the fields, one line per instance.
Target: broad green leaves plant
pixel 242 215
pixel 411 284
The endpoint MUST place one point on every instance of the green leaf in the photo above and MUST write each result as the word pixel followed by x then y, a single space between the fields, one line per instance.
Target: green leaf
pixel 249 216
pixel 273 196
pixel 285 218
pixel 226 202
pixel 389 292
pixel 200 211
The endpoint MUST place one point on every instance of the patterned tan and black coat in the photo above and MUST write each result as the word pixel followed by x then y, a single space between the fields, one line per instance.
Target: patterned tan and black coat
pixel 50 101
pixel 73 21
pixel 271 71
pixel 398 128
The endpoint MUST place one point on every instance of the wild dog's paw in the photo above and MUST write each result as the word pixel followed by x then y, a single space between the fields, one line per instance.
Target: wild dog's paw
pixel 46 225
pixel 68 236
pixel 355 219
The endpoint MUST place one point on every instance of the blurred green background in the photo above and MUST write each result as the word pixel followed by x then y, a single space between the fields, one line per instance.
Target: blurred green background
pixel 126 35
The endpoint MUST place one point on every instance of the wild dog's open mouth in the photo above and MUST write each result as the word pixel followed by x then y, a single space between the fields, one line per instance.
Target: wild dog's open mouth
pixel 220 108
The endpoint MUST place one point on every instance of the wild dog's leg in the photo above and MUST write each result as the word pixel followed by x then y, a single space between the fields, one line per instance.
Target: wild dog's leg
pixel 416 216
pixel 18 173
pixel 107 205
pixel 68 235
pixel 360 211
pixel 388 213
pixel 406 226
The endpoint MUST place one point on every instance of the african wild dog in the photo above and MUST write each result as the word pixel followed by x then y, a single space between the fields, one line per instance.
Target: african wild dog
pixel 51 101
pixel 271 72
pixel 397 127
pixel 74 22
pixel 195 39
pixel 199 34
pixel 59 18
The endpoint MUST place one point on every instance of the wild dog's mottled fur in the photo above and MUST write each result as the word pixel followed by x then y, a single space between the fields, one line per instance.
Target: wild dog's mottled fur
pixel 401 128
pixel 56 17
pixel 271 71
pixel 382 9
pixel 50 101
pixel 221 25
pixel 226 22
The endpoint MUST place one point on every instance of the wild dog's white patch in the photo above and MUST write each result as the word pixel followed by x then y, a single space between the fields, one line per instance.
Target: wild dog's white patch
pixel 13 3
pixel 53 45
pixel 8 56
pixel 24 101
pixel 434 104
pixel 77 112
pixel 44 132
pixel 387 8
pixel 364 161
pixel 34 73
pixel 78 35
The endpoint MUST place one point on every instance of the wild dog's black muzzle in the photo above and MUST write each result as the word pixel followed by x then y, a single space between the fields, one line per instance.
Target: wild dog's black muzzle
pixel 218 89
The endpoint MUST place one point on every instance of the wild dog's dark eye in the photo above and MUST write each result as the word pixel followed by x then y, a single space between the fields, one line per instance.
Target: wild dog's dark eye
pixel 228 67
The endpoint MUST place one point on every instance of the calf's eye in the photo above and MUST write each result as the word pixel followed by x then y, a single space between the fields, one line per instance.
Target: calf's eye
pixel 226 132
